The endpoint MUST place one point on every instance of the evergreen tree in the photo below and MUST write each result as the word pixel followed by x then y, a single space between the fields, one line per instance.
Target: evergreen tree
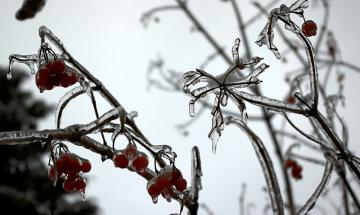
pixel 24 184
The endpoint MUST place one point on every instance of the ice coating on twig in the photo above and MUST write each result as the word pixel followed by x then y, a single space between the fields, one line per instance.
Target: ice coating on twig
pixel 199 84
pixel 196 174
pixel 104 119
pixel 310 203
pixel 266 165
pixel 65 99
pixel 29 60
pixel 266 36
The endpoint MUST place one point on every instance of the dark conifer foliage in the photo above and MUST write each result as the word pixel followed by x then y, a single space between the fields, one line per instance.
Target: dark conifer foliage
pixel 24 184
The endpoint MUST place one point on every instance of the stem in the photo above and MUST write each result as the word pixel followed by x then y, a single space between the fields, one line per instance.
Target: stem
pixel 337 143
pixel 205 33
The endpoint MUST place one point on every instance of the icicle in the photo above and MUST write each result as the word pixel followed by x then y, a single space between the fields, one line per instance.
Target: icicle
pixel 154 199
pixel 224 99
pixel 82 194
pixel 192 108
pixel 214 140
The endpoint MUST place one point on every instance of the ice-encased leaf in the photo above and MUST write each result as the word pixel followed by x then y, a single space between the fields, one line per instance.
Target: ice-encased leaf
pixel 235 51
pixel 266 165
pixel 310 203
pixel 299 4
pixel 256 72
pixel 223 98
pixel 217 125
pixel 70 95
pixel 266 36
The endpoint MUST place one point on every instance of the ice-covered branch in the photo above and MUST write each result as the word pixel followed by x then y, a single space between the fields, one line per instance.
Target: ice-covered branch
pixel 266 165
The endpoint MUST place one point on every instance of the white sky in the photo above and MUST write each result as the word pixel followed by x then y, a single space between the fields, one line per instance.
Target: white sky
pixel 108 39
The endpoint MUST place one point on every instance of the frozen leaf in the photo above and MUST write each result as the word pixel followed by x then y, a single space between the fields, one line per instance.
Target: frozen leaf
pixel 199 84
pixel 266 36
pixel 299 4
pixel 235 51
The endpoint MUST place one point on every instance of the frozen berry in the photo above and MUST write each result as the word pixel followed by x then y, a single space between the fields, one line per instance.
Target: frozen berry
pixel 130 151
pixel 153 190
pixel 289 163
pixel 181 184
pixel 140 162
pixel 80 184
pixel 163 182
pixel 85 166
pixel 309 28
pixel 69 184
pixel 291 99
pixel 68 78
pixel 71 164
pixel 56 66
pixel 120 160
pixel 175 175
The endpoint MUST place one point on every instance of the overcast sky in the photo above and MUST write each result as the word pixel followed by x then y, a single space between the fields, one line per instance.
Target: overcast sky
pixel 108 39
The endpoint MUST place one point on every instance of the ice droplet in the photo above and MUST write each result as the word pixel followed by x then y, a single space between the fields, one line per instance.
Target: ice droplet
pixel 82 194
pixel 214 140
pixel 155 199
pixel 9 75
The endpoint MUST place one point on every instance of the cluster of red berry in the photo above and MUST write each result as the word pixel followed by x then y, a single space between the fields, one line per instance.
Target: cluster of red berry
pixel 309 28
pixel 296 169
pixel 69 166
pixel 163 184
pixel 131 157
pixel 55 73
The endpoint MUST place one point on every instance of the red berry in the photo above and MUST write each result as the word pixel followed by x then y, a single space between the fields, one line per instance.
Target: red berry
pixel 69 184
pixel 153 190
pixel 86 166
pixel 181 184
pixel 68 78
pixel 289 163
pixel 80 184
pixel 130 151
pixel 309 28
pixel 291 99
pixel 175 175
pixel 163 182
pixel 42 78
pixel 56 66
pixel 120 160
pixel 140 162
pixel 51 173
pixel 71 163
